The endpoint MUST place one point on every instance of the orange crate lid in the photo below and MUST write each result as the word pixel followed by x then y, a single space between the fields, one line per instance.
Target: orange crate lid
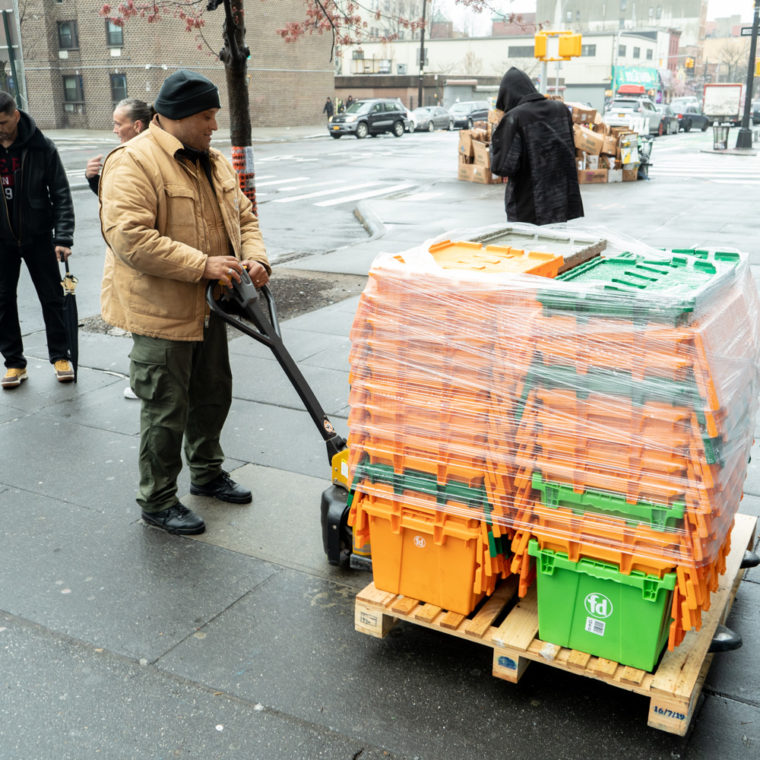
pixel 494 258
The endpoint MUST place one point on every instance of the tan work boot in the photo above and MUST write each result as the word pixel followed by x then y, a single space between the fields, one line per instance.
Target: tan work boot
pixel 14 377
pixel 64 372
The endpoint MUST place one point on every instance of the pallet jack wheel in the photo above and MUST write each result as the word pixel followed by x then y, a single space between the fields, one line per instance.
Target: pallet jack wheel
pixel 336 533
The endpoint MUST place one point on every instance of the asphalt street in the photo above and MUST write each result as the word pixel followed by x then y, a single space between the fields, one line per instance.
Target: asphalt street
pixel 119 641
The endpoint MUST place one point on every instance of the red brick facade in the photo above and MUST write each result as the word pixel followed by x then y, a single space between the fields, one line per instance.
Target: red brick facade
pixel 288 81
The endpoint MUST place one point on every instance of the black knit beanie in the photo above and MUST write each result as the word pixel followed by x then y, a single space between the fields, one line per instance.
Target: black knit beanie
pixel 185 93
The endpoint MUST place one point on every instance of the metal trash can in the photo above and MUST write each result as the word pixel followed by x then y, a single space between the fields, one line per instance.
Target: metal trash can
pixel 720 136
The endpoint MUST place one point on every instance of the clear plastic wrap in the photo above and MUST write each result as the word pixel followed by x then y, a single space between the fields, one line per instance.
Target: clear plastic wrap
pixel 607 412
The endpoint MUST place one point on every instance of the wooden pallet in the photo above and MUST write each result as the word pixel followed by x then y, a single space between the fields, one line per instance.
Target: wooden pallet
pixel 673 689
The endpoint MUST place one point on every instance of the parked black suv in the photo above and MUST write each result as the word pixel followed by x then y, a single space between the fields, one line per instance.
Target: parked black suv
pixel 369 117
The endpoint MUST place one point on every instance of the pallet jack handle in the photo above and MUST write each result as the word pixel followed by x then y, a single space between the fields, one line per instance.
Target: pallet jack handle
pixel 243 298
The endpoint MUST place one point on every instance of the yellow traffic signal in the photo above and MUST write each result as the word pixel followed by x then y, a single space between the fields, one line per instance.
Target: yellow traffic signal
pixel 570 45
pixel 557 46
pixel 539 45
pixel 689 63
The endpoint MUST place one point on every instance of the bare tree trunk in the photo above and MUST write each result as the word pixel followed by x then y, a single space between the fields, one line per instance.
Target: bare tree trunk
pixel 234 55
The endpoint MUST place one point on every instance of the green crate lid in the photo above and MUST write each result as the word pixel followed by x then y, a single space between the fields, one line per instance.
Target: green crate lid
pixel 609 382
pixel 667 289
pixel 422 482
pixel 548 561
pixel 658 516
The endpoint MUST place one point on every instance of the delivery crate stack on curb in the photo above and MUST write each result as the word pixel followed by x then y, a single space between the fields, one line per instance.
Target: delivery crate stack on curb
pixel 474 151
pixel 589 430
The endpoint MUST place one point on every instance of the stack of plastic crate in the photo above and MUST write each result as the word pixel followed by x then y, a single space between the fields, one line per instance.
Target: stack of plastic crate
pixel 601 421
pixel 426 357
pixel 635 424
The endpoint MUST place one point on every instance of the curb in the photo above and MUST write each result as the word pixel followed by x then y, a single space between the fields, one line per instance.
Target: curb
pixel 369 220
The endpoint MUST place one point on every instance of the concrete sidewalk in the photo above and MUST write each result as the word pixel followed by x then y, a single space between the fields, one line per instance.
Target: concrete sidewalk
pixel 119 641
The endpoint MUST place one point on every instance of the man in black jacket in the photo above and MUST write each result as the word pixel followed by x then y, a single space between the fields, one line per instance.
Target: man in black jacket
pixel 533 145
pixel 36 225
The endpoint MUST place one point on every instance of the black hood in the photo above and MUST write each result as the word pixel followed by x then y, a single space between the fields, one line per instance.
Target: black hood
pixel 516 88
pixel 28 134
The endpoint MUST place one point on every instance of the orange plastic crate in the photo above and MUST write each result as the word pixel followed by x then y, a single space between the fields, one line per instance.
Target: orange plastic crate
pixel 427 554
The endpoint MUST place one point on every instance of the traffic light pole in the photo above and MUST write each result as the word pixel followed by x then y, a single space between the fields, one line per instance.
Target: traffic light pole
pixel 422 57
pixel 744 138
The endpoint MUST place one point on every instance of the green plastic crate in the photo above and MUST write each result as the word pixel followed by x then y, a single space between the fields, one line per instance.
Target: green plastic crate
pixel 592 607
pixel 668 289
pixel 660 517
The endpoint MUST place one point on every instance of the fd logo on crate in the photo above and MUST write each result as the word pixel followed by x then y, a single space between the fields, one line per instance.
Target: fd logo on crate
pixel 420 542
pixel 598 605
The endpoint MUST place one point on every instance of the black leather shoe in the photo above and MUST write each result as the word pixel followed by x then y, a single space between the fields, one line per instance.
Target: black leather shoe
pixel 224 488
pixel 177 519
pixel 725 640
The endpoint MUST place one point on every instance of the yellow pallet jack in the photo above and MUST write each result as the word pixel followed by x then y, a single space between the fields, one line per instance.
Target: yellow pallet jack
pixel 241 306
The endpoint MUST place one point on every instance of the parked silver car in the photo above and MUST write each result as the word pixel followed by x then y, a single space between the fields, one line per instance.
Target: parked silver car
pixel 639 114
pixel 429 118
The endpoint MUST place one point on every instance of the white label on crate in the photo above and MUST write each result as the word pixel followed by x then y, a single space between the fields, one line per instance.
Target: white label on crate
pixel 344 469
pixel 598 605
pixel 419 542
pixel 595 626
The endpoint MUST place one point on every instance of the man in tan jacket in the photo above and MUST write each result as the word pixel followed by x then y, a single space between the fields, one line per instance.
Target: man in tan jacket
pixel 174 218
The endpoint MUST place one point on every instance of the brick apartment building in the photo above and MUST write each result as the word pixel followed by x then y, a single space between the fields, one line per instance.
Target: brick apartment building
pixel 78 65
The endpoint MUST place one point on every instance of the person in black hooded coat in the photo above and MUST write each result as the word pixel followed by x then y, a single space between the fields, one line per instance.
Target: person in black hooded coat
pixel 533 146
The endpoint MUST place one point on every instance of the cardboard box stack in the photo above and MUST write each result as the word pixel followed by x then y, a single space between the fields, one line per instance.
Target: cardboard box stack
pixel 474 151
pixel 603 153
pixel 590 429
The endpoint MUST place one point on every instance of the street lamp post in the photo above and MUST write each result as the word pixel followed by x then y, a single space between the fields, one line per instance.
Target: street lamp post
pixel 422 56
pixel 744 138
pixel 12 58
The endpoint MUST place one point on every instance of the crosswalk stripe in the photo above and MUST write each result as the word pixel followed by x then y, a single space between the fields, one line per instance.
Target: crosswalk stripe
pixel 282 181
pixel 318 193
pixel 369 194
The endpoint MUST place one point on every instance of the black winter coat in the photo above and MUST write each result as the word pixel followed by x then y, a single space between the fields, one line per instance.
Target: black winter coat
pixel 533 145
pixel 42 201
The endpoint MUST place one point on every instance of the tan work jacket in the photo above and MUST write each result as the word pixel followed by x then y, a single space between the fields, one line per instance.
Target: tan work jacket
pixel 152 218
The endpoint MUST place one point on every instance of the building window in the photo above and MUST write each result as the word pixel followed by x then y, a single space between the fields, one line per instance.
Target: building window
pixel 68 38
pixel 521 51
pixel 649 54
pixel 637 52
pixel 73 94
pixel 118 87
pixel 114 35
pixel 588 50
pixel 621 51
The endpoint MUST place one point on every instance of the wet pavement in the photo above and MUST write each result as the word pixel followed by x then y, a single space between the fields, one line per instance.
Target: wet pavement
pixel 119 641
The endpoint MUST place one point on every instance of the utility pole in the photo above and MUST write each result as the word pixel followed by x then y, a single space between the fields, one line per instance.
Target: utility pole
pixel 422 56
pixel 17 85
pixel 744 138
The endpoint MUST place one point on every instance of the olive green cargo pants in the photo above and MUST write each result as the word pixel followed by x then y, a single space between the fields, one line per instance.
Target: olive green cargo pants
pixel 185 389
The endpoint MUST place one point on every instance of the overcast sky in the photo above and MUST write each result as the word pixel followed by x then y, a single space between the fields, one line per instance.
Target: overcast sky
pixel 481 22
